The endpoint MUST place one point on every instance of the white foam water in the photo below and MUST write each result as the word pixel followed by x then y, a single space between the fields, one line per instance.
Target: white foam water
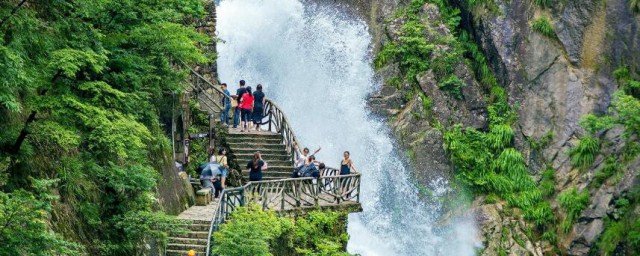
pixel 315 62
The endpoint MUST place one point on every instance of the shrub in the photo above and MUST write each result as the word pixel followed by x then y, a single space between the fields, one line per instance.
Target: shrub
pixel 543 26
pixel 573 202
pixel 610 168
pixel 453 85
pixel 249 231
pixel 547 183
pixel 584 154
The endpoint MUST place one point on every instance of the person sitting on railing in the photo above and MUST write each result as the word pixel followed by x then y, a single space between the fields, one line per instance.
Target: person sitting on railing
pixel 226 105
pixel 258 106
pixel 255 167
pixel 346 165
pixel 236 113
pixel 246 106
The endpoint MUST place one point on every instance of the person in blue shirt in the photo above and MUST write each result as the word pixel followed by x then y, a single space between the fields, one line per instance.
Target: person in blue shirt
pixel 226 103
pixel 238 96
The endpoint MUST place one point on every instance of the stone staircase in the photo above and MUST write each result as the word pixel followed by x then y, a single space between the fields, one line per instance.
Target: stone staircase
pixel 195 239
pixel 243 145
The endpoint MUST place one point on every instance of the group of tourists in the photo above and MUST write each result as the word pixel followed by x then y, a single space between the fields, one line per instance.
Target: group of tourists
pixel 307 165
pixel 248 113
pixel 248 104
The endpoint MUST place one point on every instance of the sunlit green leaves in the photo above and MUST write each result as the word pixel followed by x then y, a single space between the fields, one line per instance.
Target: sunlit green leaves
pixel 70 61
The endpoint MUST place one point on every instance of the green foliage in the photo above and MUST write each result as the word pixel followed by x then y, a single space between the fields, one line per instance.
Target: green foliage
pixel 23 229
pixel 453 85
pixel 543 26
pixel 252 231
pixel 585 153
pixel 95 74
pixel 413 52
pixel 573 202
pixel 547 183
pixel 610 168
pixel 624 76
pixel 628 109
pixel 320 233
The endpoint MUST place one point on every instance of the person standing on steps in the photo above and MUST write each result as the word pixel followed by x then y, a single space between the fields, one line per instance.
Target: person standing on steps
pixel 226 105
pixel 258 106
pixel 222 161
pixel 246 106
pixel 255 168
pixel 236 113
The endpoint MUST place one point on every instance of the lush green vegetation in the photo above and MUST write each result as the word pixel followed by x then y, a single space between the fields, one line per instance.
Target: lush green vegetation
pixel 623 233
pixel 252 231
pixel 82 90
pixel 543 26
pixel 413 51
pixel 585 153
pixel 573 202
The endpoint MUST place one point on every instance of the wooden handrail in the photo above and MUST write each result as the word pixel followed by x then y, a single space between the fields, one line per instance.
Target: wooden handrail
pixel 287 194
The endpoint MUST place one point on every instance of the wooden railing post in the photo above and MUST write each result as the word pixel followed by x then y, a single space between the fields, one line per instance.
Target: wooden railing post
pixel 270 115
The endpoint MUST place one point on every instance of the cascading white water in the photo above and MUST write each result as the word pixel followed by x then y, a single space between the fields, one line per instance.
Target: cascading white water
pixel 315 63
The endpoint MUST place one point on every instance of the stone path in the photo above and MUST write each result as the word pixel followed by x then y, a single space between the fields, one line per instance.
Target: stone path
pixel 198 222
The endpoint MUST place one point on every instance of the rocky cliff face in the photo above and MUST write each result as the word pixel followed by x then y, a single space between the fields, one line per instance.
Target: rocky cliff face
pixel 552 81
pixel 555 81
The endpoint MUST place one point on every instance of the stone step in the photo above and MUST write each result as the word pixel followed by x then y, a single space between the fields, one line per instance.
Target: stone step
pixel 254 135
pixel 254 140
pixel 250 150
pixel 258 146
pixel 187 247
pixel 183 253
pixel 268 157
pixel 289 164
pixel 197 234
pixel 196 227
pixel 270 172
pixel 180 240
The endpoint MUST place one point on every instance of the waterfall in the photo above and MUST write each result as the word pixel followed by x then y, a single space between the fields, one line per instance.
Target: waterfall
pixel 315 62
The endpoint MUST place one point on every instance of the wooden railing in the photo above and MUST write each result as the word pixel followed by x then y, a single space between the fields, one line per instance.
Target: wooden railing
pixel 287 194
pixel 212 95
pixel 276 121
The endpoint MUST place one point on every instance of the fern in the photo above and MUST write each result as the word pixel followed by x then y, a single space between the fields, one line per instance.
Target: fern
pixel 543 26
pixel 585 153
pixel 573 202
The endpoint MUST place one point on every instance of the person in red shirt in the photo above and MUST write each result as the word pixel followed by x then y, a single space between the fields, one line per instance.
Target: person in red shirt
pixel 246 107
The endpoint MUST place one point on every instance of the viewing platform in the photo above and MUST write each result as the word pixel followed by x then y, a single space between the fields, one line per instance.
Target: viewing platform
pixel 277 191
